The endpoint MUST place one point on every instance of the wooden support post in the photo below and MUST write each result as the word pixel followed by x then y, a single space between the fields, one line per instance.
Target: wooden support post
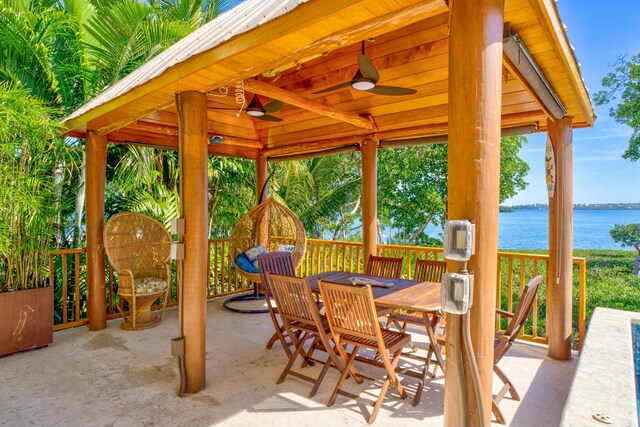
pixel 369 198
pixel 475 67
pixel 192 110
pixel 96 146
pixel 261 176
pixel 560 273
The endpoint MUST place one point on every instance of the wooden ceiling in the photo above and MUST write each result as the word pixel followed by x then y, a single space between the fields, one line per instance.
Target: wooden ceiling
pixel 414 55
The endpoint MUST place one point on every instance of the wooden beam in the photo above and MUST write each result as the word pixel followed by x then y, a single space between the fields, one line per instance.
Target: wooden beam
pixel 560 272
pixel 171 143
pixel 192 110
pixel 125 122
pixel 310 147
pixel 369 198
pixel 274 92
pixel 96 146
pixel 169 130
pixel 513 70
pixel 475 82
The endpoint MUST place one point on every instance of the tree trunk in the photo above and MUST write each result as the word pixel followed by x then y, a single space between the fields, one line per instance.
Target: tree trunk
pixel 80 196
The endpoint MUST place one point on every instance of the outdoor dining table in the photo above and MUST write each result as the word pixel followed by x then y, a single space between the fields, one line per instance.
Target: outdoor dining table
pixel 402 294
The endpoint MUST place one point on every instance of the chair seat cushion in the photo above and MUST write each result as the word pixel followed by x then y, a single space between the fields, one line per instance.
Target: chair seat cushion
pixel 150 285
pixel 245 265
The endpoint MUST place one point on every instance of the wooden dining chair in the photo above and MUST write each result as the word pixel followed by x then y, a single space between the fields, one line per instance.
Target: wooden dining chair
pixel 299 312
pixel 384 267
pixel 352 318
pixel 277 263
pixel 504 341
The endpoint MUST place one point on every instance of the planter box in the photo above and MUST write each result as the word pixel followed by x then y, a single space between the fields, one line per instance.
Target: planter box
pixel 26 319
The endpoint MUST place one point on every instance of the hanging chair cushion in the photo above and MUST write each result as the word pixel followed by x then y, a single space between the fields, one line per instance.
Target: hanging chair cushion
pixel 244 264
pixel 252 254
pixel 150 285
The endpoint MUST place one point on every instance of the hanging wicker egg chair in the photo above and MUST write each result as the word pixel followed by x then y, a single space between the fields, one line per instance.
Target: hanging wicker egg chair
pixel 271 225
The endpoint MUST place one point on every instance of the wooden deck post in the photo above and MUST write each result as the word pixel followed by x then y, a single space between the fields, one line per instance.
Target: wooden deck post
pixel 475 84
pixel 96 146
pixel 560 273
pixel 192 110
pixel 369 198
pixel 261 175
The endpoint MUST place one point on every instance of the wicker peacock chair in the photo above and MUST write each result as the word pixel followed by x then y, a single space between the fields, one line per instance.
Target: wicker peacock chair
pixel 138 248
pixel 271 225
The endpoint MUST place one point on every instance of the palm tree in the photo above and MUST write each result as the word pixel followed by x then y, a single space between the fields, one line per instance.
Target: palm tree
pixel 323 192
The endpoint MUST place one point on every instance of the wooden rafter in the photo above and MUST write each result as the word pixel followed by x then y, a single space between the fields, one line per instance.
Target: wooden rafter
pixel 274 92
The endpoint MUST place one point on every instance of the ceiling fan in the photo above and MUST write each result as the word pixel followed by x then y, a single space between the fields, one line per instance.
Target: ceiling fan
pixel 259 111
pixel 366 79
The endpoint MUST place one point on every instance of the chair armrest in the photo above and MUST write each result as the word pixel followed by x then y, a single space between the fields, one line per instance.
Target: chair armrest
pixel 504 313
pixel 126 282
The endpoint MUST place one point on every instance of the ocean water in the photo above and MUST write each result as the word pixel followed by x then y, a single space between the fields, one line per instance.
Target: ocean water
pixel 529 229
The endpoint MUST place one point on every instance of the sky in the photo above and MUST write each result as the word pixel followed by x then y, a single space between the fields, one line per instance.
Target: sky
pixel 600 31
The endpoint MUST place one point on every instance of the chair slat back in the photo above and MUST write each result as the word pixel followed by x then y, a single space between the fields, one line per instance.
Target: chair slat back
pixel 525 304
pixel 384 266
pixel 294 299
pixel 276 263
pixel 350 310
pixel 429 271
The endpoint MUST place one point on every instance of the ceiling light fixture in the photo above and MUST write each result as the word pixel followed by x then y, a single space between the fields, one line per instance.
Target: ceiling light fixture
pixel 255 108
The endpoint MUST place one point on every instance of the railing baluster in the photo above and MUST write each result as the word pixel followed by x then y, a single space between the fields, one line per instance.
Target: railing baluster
pixel 582 302
pixel 499 291
pixel 76 261
pixel 534 322
pixel 510 285
pixel 64 289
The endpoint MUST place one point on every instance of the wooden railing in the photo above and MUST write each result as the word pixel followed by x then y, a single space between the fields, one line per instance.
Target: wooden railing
pixel 68 276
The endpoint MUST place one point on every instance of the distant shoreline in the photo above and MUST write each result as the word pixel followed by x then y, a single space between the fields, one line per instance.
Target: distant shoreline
pixel 589 207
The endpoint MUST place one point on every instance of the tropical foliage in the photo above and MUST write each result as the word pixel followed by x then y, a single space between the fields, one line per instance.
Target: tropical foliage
pixel 624 82
pixel 32 165
pixel 627 235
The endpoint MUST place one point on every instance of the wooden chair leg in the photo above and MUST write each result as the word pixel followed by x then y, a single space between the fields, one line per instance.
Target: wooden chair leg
pixel 343 377
pixel 390 367
pixel 324 371
pixel 507 383
pixel 294 355
pixel 279 331
pixel 497 412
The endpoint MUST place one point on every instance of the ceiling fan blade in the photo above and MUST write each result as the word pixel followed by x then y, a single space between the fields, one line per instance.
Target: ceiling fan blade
pixel 367 68
pixel 268 118
pixel 272 106
pixel 332 88
pixel 391 90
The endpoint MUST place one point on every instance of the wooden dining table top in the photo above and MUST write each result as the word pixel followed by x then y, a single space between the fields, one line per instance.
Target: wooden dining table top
pixel 412 295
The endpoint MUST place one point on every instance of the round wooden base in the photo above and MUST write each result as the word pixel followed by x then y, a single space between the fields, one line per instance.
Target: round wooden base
pixel 145 319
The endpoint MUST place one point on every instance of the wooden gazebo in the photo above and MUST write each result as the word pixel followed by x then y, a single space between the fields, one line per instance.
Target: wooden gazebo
pixel 479 68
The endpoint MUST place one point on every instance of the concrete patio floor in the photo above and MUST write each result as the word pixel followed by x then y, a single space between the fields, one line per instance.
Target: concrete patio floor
pixel 119 378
